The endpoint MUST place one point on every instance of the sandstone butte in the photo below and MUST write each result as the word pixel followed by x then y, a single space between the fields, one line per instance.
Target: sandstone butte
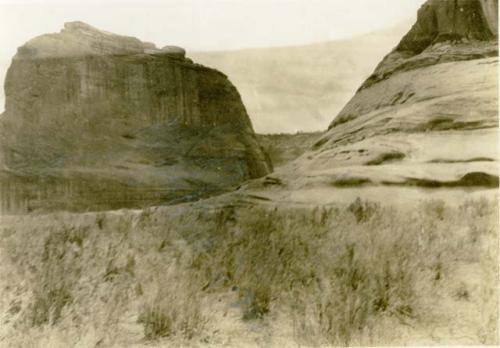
pixel 95 120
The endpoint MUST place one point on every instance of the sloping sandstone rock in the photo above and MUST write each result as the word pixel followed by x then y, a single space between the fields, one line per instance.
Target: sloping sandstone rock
pixel 433 101
pixel 426 118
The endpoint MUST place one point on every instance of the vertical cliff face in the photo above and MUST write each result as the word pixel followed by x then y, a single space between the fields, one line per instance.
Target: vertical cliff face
pixel 87 103
pixel 442 20
pixel 145 89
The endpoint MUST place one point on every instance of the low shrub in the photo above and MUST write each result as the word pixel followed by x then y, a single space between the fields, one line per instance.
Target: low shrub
pixel 173 307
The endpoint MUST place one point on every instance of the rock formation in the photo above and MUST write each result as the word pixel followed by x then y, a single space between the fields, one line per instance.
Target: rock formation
pixel 88 109
pixel 445 20
pixel 445 31
pixel 428 115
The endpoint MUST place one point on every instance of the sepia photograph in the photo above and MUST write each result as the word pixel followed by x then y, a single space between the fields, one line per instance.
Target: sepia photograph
pixel 249 173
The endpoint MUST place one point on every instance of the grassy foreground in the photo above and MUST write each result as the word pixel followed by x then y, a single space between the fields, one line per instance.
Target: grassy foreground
pixel 267 275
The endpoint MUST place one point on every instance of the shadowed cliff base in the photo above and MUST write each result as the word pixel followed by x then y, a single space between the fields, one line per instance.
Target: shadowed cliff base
pixel 469 180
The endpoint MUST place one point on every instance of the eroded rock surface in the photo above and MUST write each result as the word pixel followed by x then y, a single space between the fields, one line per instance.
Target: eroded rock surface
pixel 87 108
pixel 426 118
pixel 445 31
pixel 444 20
pixel 79 39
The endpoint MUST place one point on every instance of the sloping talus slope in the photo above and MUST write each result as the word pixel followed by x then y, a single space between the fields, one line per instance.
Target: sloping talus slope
pixel 96 120
pixel 427 117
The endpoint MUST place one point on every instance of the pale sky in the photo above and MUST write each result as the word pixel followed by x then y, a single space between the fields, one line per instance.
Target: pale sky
pixel 202 24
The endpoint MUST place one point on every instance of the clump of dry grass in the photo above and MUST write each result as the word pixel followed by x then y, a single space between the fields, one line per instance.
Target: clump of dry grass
pixel 173 308
pixel 363 210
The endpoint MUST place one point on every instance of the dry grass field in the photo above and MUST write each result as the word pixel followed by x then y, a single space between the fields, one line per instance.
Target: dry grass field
pixel 362 273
